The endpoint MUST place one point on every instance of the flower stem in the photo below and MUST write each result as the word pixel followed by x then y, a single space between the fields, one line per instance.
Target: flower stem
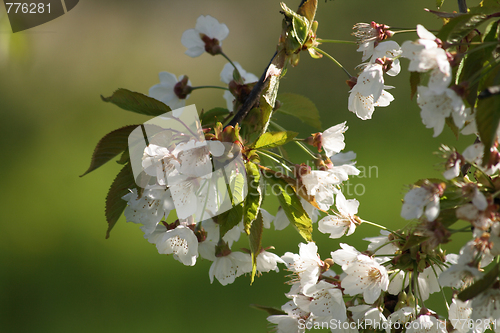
pixel 276 158
pixel 382 227
pixel 214 87
pixel 334 60
pixel 227 58
pixel 299 143
pixel 334 41
pixel 404 31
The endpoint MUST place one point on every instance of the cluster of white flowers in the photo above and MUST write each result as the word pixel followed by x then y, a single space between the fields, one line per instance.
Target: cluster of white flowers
pixel 324 184
pixel 437 101
pixel 321 298
pixel 368 89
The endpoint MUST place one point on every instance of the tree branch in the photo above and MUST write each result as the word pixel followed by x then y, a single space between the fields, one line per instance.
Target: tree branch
pixel 462 6
pixel 252 98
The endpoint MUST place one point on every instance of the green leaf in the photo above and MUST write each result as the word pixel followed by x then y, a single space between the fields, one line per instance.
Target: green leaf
pixel 109 147
pixel 229 219
pixel 487 119
pixel 439 3
pixel 255 240
pixel 238 183
pixel 308 9
pixel 254 196
pixel 271 311
pixel 274 139
pixel 414 83
pixel 301 28
pixel 124 158
pixel 474 61
pixel 137 102
pixel 292 206
pixel 213 115
pixel 480 285
pixel 451 124
pixel 115 205
pixel 300 107
pixel 459 27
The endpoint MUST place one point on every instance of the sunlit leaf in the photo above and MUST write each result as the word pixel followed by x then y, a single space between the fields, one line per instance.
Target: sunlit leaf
pixel 109 147
pixel 274 139
pixel 292 206
pixel 439 3
pixel 115 205
pixel 300 107
pixel 253 199
pixel 137 102
pixel 255 239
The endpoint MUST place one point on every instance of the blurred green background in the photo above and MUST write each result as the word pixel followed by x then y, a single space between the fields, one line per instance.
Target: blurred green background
pixel 57 271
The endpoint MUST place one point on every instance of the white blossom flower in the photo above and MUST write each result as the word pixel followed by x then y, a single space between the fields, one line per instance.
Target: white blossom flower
pixel 364 106
pixel 369 34
pixel 165 90
pixel 398 281
pixel 160 162
pixel 343 158
pixel 381 244
pixel 181 242
pixel 427 324
pixel 327 303
pixel 428 281
pixel 332 140
pixel 371 81
pixel 227 268
pixel 194 156
pixel 416 200
pixel 149 209
pixel 474 154
pixel 206 247
pixel 344 221
pixel 436 107
pixel 371 316
pixel 346 256
pixel 365 276
pixel 391 50
pixel 403 315
pixel 306 265
pixel 289 323
pixel 459 315
pixel 207 29
pixel 462 270
pixel 267 261
pixel 480 219
pixel 425 54
pixel 320 184
pixel 226 76
pixel 486 306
